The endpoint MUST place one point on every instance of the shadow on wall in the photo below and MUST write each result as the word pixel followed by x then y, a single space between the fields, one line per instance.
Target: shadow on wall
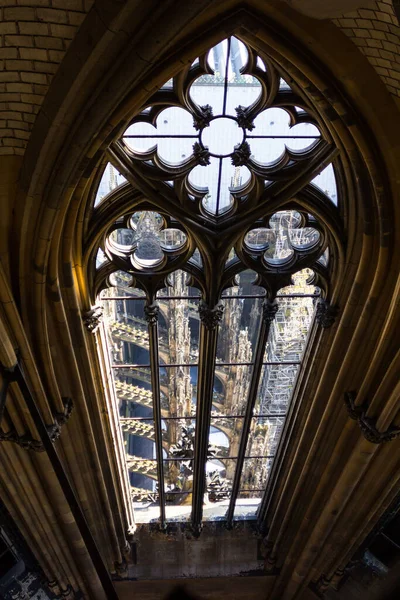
pixel 179 593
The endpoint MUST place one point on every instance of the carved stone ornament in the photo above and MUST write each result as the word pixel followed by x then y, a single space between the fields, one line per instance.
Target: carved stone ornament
pixel 27 442
pixel 269 311
pixel 92 318
pixel 367 424
pixel 326 314
pixel 210 317
pixel 203 119
pixel 241 154
pixel 243 118
pixel 151 313
pixel 63 417
pixel 121 568
pixel 201 154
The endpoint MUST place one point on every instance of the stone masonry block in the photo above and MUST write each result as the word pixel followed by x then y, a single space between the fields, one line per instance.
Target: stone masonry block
pixel 51 15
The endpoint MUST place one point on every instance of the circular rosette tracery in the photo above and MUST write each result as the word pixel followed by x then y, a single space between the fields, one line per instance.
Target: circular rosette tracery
pixel 280 245
pixel 145 246
pixel 222 130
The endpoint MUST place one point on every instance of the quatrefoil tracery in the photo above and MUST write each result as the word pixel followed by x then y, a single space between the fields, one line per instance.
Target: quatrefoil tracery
pixel 218 137
pixel 208 192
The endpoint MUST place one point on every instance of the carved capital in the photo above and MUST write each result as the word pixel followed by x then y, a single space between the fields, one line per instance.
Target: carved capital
pixel 121 568
pixel 210 317
pixel 151 313
pixel 27 442
pixel 92 318
pixel 368 424
pixel 63 417
pixel 326 314
pixel 241 154
pixel 201 154
pixel 269 310
pixel 243 118
pixel 203 118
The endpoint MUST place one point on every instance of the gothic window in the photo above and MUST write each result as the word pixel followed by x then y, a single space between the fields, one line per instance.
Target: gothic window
pixel 210 246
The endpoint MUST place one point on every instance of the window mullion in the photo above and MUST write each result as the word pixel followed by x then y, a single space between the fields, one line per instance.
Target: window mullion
pixel 210 318
pixel 151 312
pixel 269 311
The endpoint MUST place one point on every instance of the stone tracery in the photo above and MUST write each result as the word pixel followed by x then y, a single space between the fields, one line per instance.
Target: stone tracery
pixel 188 246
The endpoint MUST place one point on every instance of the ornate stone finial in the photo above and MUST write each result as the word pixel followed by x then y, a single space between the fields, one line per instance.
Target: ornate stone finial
pixel 243 118
pixel 241 154
pixel 203 118
pixel 326 314
pixel 269 310
pixel 201 154
pixel 151 313
pixel 367 424
pixel 210 317
pixel 92 318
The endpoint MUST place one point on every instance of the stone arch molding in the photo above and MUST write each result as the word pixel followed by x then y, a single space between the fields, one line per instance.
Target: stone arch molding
pixel 59 172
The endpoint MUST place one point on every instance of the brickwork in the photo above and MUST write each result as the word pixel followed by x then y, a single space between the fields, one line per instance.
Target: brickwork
pixel 375 30
pixel 34 36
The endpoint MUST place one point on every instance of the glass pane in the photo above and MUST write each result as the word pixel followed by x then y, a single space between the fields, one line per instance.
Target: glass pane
pixel 240 325
pixel 247 504
pixel 243 89
pixel 178 386
pixel 143 477
pixel 264 436
pixel 178 476
pixel 119 283
pixel 326 181
pixel 219 478
pixel 178 438
pixel 110 180
pixel 224 437
pixel 178 328
pixel 255 473
pixel 209 89
pixel 300 285
pixel 133 391
pixel 178 285
pixel 275 389
pixel 127 332
pixel 141 445
pixel 275 124
pixel 232 178
pixel 145 504
pixel 289 330
pixel 178 506
pixel 206 180
pixel 173 121
pixel 231 387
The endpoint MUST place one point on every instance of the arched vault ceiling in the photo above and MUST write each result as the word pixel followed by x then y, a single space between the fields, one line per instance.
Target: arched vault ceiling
pixel 36 34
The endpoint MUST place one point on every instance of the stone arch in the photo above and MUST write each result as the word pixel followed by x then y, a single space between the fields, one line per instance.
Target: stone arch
pixel 68 140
